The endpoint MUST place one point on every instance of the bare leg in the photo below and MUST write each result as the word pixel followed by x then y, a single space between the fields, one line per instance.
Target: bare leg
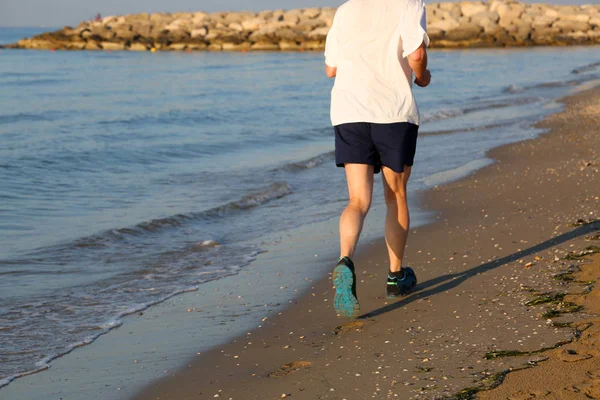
pixel 360 191
pixel 397 220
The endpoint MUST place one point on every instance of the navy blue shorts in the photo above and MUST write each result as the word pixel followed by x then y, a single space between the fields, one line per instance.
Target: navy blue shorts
pixel 391 145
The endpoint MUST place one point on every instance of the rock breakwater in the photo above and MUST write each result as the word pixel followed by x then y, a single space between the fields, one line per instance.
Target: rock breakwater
pixel 497 23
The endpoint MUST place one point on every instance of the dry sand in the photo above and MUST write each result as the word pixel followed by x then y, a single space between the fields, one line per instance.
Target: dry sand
pixel 502 236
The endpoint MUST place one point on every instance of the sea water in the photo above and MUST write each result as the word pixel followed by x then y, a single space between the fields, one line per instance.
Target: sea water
pixel 128 178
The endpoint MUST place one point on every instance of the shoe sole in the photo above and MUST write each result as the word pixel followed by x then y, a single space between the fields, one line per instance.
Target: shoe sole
pixel 345 303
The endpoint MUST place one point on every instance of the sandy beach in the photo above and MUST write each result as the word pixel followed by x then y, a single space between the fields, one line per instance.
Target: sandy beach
pixel 497 271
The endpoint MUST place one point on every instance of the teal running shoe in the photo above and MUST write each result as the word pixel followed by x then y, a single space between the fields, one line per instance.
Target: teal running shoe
pixel 401 286
pixel 344 279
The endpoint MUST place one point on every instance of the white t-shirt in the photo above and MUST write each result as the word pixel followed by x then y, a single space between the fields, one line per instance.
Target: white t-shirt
pixel 368 43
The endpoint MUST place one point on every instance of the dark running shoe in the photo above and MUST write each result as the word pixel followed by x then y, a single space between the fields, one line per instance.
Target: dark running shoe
pixel 344 280
pixel 397 286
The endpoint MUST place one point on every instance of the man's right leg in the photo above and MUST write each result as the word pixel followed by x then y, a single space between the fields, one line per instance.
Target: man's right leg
pixel 400 280
pixel 397 219
pixel 360 192
pixel 360 189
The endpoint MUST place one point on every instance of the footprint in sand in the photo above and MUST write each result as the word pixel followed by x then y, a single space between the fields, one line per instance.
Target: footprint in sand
pixel 349 327
pixel 572 356
pixel 287 369
pixel 529 395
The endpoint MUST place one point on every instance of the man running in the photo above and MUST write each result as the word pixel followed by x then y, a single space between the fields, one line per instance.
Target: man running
pixel 372 50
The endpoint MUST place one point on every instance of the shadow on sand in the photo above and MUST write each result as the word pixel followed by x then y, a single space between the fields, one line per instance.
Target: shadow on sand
pixel 450 281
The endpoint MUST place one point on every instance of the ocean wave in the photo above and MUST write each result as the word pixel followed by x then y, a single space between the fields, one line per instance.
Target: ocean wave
pixel 190 117
pixel 105 328
pixel 310 163
pixel 29 117
pixel 482 105
pixel 469 129
pixel 34 82
pixel 186 267
pixel 272 192
pixel 586 68
pixel 515 89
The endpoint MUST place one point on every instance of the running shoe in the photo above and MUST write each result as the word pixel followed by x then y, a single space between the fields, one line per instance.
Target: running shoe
pixel 397 286
pixel 344 279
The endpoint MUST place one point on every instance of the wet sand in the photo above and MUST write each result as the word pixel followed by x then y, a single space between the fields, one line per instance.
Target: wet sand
pixel 501 238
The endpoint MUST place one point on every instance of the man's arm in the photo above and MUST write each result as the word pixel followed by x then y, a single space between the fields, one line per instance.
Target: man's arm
pixel 417 60
pixel 330 71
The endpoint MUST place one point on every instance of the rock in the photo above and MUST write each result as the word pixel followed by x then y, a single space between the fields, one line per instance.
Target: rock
pixel 177 35
pixel 290 35
pixel 142 28
pixel 543 21
pixel 177 46
pixel 327 15
pixel 253 24
pixel 310 25
pixel 236 26
pixel 291 18
pixel 571 26
pixel 445 25
pixel 265 46
pixel 92 46
pixel 470 9
pixel 577 37
pixel 199 33
pixel 238 17
pixel 311 13
pixel 522 32
pixel 485 18
pixel 236 46
pixel 435 33
pixel 124 32
pixel 77 46
pixel 109 19
pixel 287 45
pixel 215 47
pixel 112 46
pixel 578 17
pixel 138 47
pixel 223 36
pixel 452 14
pixel 550 12
pixel 264 15
pixel 594 36
pixel 197 46
pixel 200 17
pixel 320 33
pixel 495 31
pixel 312 45
pixel 100 32
pixel 544 35
pixel 464 32
pixel 179 24
pixel 161 19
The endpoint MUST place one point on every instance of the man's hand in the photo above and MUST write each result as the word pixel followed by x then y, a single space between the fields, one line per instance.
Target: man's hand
pixel 424 80
pixel 330 71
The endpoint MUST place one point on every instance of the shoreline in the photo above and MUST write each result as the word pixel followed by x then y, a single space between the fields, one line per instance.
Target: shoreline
pixel 298 352
pixel 498 23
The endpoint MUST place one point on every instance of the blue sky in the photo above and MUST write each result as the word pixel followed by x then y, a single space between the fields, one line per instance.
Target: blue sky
pixel 56 13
